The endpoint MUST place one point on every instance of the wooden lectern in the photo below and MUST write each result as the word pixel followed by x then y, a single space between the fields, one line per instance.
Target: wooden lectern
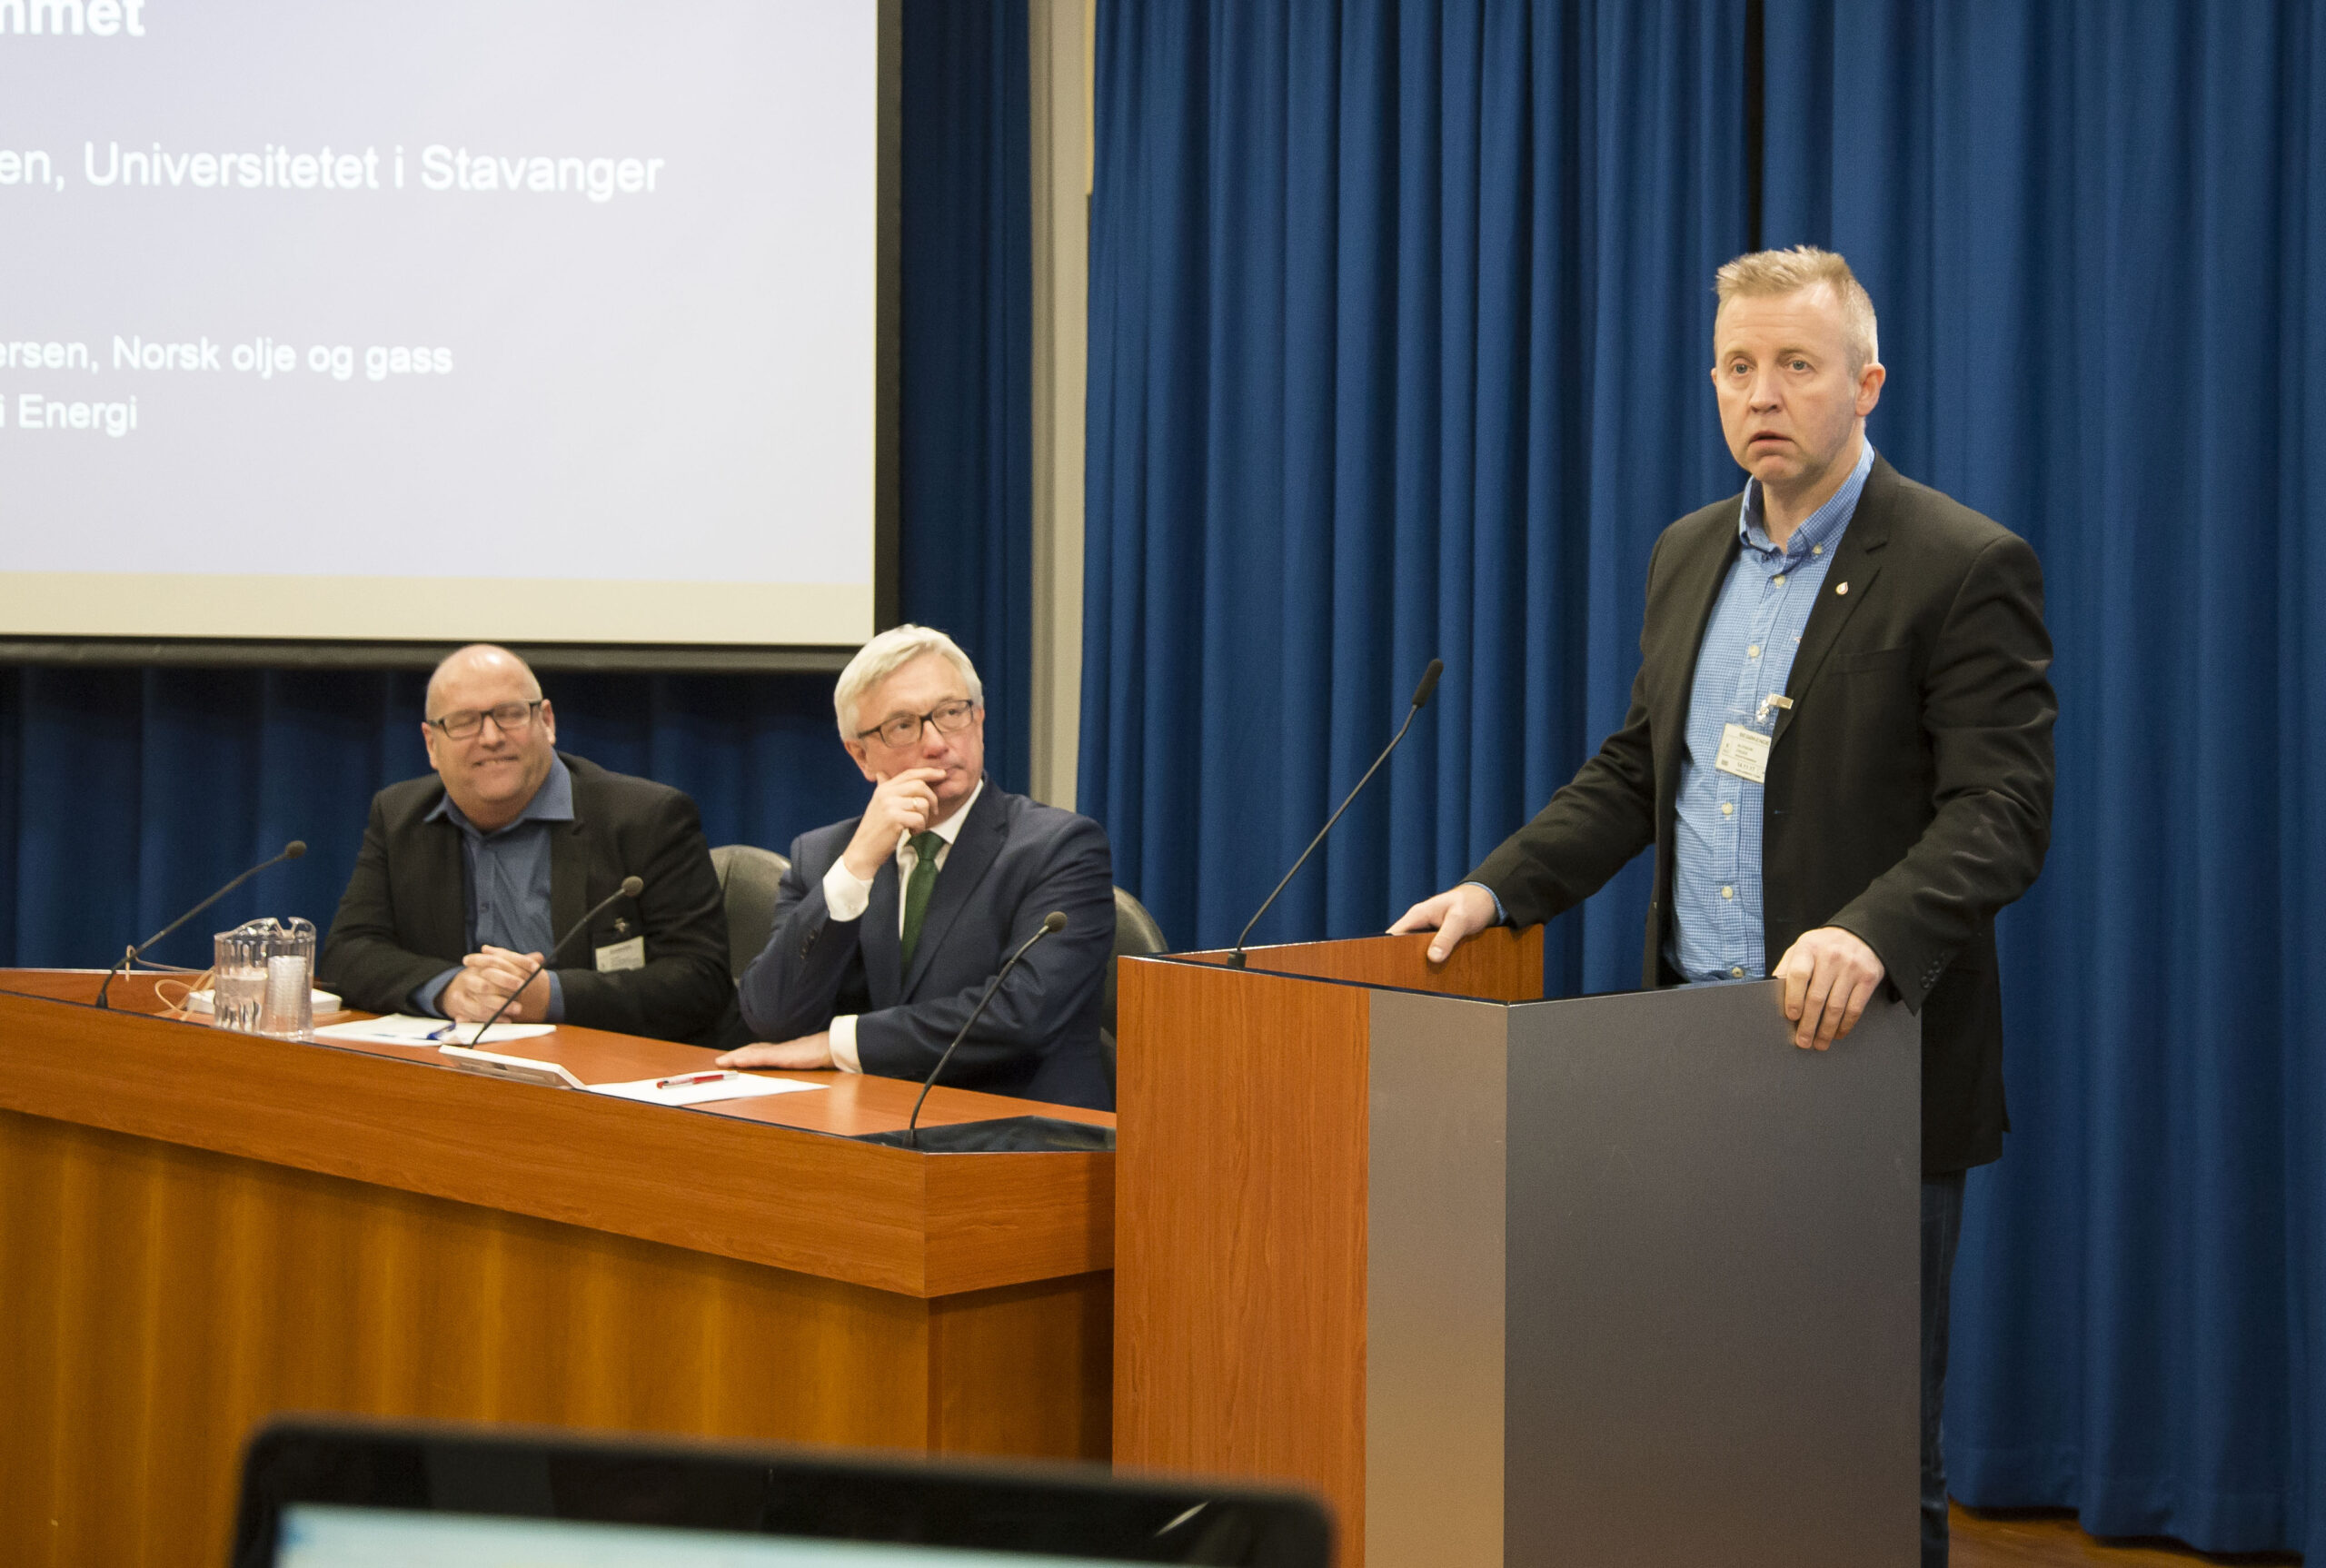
pixel 1614 1280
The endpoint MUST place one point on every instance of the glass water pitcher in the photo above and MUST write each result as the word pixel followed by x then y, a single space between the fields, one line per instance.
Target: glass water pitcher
pixel 266 979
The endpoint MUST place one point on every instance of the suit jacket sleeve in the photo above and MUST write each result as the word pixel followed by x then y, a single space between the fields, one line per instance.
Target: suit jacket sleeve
pixel 1595 824
pixel 802 980
pixel 361 957
pixel 1043 995
pixel 1988 709
pixel 683 987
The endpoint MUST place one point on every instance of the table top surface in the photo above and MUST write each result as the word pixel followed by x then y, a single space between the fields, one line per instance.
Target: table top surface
pixel 776 1179
pixel 850 1102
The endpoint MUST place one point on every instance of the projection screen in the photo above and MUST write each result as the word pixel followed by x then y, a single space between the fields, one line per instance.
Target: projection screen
pixel 550 320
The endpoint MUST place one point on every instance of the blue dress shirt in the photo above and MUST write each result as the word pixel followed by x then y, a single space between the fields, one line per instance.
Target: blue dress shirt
pixel 505 874
pixel 1747 654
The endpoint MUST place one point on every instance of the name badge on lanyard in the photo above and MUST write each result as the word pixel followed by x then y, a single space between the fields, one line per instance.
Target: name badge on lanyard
pixel 1745 750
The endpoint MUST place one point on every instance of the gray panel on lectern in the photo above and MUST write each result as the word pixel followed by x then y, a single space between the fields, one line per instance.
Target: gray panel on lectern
pixel 1435 1161
pixel 1713 1321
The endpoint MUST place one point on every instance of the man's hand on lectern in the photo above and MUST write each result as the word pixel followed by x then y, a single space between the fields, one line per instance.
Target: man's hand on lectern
pixel 1829 977
pixel 1457 915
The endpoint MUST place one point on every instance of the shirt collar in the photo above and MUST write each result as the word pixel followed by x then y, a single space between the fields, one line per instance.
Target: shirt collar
pixel 1820 528
pixel 950 829
pixel 552 802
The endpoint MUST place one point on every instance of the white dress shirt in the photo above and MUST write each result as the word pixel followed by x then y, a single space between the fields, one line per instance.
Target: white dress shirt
pixel 847 895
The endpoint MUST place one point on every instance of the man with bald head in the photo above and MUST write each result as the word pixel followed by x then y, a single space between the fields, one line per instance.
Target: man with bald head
pixel 466 880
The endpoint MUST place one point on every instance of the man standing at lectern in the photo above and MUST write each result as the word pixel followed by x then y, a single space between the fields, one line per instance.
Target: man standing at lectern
pixel 466 880
pixel 1839 745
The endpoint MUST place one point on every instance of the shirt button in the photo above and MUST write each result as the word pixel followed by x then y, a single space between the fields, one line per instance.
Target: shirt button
pixel 1737 972
pixel 1779 579
pixel 1728 808
pixel 1728 892
pixel 1753 651
pixel 1816 550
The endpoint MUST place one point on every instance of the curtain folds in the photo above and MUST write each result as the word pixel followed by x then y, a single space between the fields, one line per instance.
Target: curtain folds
pixel 2092 236
pixel 126 795
pixel 1398 316
pixel 966 543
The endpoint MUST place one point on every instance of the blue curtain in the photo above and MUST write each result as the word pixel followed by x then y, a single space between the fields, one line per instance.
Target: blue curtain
pixel 127 794
pixel 1398 328
pixel 2097 239
pixel 1398 316
pixel 967 542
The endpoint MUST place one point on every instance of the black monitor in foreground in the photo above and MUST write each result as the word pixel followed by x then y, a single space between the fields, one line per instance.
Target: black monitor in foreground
pixel 332 1492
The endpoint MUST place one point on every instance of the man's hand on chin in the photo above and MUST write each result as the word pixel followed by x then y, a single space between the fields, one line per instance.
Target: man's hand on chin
pixel 809 1053
pixel 1829 977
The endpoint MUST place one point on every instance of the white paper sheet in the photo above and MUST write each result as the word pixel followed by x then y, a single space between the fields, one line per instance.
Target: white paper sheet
pixel 736 1088
pixel 402 1029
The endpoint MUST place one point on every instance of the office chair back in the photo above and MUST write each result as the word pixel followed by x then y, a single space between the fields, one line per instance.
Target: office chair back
pixel 1136 936
pixel 748 876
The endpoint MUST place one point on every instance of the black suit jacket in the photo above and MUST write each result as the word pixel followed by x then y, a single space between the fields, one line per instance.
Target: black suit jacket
pixel 1909 787
pixel 404 915
pixel 1013 862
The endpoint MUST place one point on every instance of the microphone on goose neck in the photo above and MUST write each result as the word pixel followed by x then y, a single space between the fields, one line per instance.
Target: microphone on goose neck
pixel 1421 699
pixel 291 851
pixel 631 887
pixel 1053 921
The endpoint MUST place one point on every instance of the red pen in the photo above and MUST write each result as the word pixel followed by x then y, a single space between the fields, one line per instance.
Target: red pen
pixel 692 1078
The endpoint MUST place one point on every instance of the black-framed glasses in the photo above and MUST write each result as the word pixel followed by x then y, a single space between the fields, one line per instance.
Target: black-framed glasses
pixel 950 718
pixel 509 718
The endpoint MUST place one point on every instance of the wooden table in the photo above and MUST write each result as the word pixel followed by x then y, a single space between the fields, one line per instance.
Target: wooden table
pixel 198 1228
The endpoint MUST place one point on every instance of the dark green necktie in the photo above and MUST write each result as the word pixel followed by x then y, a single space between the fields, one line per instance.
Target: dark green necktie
pixel 917 891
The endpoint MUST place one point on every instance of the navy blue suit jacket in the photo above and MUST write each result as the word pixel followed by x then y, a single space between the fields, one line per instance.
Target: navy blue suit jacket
pixel 1014 862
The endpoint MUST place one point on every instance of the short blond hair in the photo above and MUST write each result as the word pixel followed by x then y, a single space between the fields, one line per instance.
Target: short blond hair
pixel 888 653
pixel 1759 274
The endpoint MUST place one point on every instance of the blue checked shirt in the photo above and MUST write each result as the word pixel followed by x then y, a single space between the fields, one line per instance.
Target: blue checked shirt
pixel 506 873
pixel 1747 654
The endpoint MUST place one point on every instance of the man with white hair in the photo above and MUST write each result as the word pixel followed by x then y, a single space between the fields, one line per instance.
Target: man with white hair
pixel 467 877
pixel 889 926
pixel 1839 745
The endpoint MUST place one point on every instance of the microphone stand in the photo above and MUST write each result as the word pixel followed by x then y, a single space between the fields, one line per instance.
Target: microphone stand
pixel 1236 959
pixel 631 887
pixel 291 851
pixel 1053 921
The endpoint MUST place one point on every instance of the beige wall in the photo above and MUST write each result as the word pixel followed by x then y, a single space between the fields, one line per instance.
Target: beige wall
pixel 1061 32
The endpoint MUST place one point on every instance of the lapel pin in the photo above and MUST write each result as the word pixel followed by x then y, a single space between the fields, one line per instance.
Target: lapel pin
pixel 1842 588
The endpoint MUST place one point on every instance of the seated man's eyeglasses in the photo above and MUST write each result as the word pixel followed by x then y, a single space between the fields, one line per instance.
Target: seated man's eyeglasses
pixel 509 718
pixel 904 729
